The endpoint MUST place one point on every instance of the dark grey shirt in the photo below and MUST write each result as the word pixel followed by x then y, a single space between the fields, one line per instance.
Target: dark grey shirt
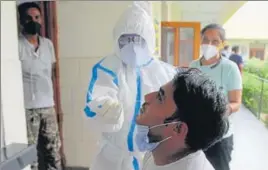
pixel 236 58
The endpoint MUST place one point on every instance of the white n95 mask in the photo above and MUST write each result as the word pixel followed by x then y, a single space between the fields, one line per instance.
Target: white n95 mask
pixel 209 51
pixel 134 55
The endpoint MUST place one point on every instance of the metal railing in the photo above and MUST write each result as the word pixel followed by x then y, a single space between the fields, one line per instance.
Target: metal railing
pixel 255 95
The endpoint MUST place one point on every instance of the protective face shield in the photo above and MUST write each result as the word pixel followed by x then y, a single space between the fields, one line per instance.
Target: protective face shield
pixel 133 50
pixel 143 140
pixel 32 28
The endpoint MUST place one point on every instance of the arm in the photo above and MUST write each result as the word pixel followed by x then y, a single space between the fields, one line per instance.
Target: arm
pixel 235 100
pixel 234 89
pixel 53 73
pixel 103 108
pixel 240 64
pixel 54 79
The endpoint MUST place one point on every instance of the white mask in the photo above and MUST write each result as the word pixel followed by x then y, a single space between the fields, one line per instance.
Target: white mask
pixel 134 55
pixel 209 51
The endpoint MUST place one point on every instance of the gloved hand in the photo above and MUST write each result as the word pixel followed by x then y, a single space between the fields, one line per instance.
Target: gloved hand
pixel 107 108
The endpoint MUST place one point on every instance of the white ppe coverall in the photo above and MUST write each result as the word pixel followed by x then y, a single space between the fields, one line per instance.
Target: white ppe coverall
pixel 116 93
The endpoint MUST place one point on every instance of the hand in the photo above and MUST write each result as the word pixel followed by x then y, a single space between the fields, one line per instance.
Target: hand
pixel 229 110
pixel 63 158
pixel 107 107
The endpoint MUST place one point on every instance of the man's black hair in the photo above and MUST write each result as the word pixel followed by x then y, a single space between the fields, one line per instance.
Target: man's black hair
pixel 201 106
pixel 22 9
pixel 215 26
pixel 235 48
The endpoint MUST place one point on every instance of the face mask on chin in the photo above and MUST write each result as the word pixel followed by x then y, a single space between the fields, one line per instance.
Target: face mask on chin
pixel 32 28
pixel 209 51
pixel 146 141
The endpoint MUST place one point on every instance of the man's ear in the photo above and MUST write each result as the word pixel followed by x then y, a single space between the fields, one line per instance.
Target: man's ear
pixel 181 129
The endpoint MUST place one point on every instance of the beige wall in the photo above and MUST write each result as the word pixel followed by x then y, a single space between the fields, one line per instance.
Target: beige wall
pixel 266 52
pixel 11 77
pixel 85 35
pixel 203 11
pixel 12 105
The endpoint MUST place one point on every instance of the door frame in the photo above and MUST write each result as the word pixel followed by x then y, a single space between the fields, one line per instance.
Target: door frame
pixel 176 27
pixel 253 52
pixel 49 30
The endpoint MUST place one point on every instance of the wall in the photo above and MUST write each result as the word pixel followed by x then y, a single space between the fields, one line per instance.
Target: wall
pixel 266 51
pixel 12 105
pixel 157 16
pixel 11 76
pixel 85 35
pixel 203 11
pixel 187 11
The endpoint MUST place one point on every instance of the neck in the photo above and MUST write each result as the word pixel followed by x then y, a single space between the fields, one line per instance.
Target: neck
pixel 33 39
pixel 163 157
pixel 210 61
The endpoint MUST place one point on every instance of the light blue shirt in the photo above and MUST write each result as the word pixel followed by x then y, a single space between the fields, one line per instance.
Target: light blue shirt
pixel 226 75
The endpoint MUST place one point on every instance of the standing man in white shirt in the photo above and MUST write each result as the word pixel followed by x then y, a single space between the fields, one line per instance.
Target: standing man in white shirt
pixel 184 117
pixel 38 58
pixel 228 79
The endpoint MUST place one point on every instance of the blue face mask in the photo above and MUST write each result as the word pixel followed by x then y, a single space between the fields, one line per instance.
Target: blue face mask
pixel 142 139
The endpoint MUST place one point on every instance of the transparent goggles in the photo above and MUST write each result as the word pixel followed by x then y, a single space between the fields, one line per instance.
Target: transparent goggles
pixel 131 38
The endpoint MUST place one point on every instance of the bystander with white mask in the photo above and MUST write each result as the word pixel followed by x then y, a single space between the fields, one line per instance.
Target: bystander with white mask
pixel 228 79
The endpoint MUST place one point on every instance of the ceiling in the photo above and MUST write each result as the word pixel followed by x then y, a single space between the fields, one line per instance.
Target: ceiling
pixel 207 11
pixel 249 22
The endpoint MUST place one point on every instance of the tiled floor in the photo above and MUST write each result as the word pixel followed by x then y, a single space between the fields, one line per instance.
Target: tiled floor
pixel 251 142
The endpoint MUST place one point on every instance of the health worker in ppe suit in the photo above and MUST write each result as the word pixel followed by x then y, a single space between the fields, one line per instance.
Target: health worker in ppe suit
pixel 117 88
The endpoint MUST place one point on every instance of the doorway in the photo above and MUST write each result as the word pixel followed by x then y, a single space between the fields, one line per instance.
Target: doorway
pixel 180 42
pixel 50 31
pixel 257 53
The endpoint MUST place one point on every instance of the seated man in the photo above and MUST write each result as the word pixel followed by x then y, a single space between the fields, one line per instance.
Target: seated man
pixel 186 116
